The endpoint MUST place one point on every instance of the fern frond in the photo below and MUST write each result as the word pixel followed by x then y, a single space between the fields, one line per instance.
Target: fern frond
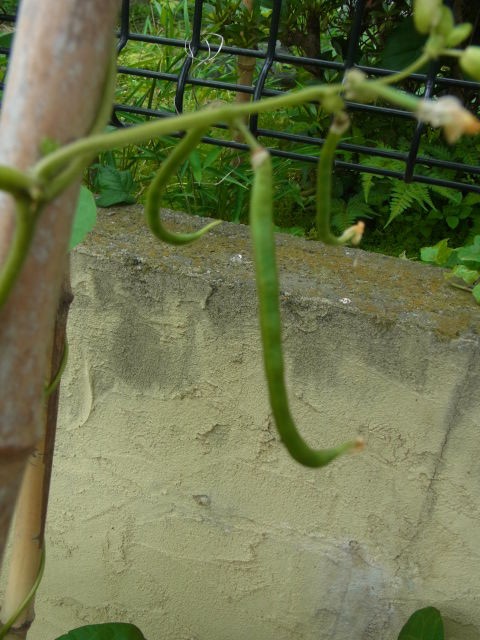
pixel 380 163
pixel 452 195
pixel 367 183
pixel 405 194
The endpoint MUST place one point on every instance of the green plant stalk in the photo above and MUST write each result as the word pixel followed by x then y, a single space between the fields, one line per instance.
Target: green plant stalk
pixel 47 167
pixel 401 75
pixel 17 183
pixel 18 250
pixel 152 209
pixel 28 598
pixel 55 381
pixel 261 221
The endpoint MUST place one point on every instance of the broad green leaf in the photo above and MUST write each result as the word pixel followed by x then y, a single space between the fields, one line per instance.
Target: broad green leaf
pixel 472 198
pixel 467 275
pixel 85 217
pixel 452 221
pixel 107 631
pixel 438 254
pixel 476 293
pixel 424 624
pixel 6 39
pixel 470 253
pixel 404 45
pixel 114 186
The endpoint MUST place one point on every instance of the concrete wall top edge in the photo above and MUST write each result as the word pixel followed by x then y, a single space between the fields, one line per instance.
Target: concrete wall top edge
pixel 390 290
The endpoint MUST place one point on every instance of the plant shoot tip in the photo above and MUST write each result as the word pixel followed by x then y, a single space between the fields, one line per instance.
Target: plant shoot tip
pixel 259 156
pixel 359 444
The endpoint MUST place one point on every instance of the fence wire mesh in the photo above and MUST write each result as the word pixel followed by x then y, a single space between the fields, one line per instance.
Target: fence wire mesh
pixel 161 75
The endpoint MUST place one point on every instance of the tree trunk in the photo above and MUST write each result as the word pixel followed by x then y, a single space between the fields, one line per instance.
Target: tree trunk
pixel 55 81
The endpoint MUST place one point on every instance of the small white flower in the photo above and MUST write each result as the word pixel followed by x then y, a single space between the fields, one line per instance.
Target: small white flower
pixel 449 113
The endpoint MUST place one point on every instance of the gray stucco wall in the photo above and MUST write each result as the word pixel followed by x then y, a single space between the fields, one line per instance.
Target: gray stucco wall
pixel 174 506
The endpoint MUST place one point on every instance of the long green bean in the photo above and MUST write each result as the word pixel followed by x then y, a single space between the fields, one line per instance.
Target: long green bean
pixel 324 187
pixel 261 221
pixel 152 205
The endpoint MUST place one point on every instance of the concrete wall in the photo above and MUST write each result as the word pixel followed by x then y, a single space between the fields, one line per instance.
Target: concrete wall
pixel 174 505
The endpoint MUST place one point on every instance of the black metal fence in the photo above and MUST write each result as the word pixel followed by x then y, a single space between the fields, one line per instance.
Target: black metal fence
pixel 200 46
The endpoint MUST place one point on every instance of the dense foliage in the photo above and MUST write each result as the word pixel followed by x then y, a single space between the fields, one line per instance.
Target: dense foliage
pixel 401 217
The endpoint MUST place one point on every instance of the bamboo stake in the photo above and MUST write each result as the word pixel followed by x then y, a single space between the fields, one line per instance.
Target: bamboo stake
pixel 55 82
pixel 28 546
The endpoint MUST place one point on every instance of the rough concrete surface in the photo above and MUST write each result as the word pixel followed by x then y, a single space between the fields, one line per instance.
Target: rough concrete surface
pixel 174 506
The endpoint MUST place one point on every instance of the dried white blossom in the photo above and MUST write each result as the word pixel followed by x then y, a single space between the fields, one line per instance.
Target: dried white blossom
pixel 353 234
pixel 449 113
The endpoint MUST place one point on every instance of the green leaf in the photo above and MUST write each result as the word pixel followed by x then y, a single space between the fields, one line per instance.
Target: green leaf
pixel 403 46
pixel 114 186
pixel 472 198
pixel 367 183
pixel 424 624
pixel 467 275
pixel 6 39
pixel 404 195
pixel 107 631
pixel 470 253
pixel 476 293
pixel 211 157
pixel 196 165
pixel 452 221
pixel 85 217
pixel 438 254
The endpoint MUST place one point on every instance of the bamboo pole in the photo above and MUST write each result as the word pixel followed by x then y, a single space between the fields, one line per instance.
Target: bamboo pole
pixel 28 546
pixel 55 81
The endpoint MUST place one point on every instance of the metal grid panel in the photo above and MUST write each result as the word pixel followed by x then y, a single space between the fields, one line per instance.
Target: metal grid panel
pixel 185 79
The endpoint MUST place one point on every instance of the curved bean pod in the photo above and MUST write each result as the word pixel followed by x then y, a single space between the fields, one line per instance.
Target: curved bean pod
pixel 152 206
pixel 324 187
pixel 261 222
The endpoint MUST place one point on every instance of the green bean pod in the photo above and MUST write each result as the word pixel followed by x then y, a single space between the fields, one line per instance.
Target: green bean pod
pixel 261 222
pixel 157 187
pixel 324 188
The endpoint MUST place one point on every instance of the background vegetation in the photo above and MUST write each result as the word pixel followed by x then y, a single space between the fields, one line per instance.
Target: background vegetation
pixel 401 218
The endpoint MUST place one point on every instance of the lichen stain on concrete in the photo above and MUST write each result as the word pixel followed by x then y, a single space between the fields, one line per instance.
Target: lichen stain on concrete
pixel 386 289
